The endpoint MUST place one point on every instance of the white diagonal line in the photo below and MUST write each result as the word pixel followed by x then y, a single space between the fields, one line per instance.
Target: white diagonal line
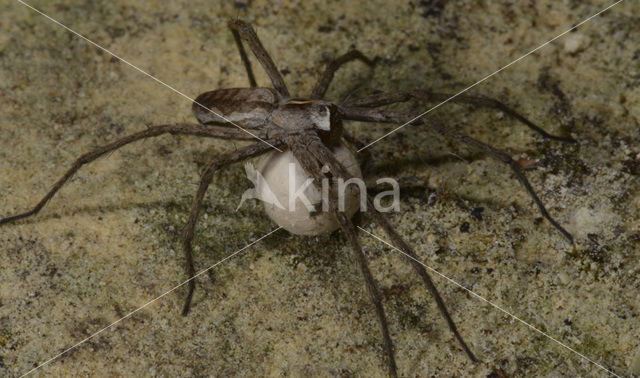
pixel 147 304
pixel 147 74
pixel 488 76
pixel 492 304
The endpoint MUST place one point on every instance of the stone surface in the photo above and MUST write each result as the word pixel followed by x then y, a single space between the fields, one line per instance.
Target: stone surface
pixel 109 242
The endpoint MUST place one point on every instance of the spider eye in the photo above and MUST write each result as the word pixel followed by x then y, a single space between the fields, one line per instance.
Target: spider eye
pixel 323 111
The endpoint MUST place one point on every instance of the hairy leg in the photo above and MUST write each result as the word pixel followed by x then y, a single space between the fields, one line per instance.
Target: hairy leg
pixel 382 99
pixel 205 181
pixel 246 33
pixel 244 57
pixel 506 159
pixel 325 79
pixel 347 227
pixel 310 159
pixel 413 260
pixel 188 129
pixel 386 116
pixel 324 155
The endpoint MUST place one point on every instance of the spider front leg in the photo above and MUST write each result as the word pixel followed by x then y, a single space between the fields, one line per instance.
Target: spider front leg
pixel 389 98
pixel 185 128
pixel 387 116
pixel 205 180
pixel 244 31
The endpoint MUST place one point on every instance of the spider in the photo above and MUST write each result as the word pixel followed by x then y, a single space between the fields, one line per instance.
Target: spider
pixel 310 128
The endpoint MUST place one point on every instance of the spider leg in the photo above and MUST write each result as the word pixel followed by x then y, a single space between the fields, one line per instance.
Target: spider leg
pixel 347 227
pixel 205 181
pixel 244 57
pixel 185 128
pixel 506 159
pixel 373 115
pixel 325 79
pixel 246 33
pixel 399 241
pixel 480 101
pixel 325 155
pixel 308 155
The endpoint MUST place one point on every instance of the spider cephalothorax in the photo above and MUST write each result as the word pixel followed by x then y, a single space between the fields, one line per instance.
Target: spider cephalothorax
pixel 306 114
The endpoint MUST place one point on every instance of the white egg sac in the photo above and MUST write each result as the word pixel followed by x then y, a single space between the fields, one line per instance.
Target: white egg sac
pixel 292 200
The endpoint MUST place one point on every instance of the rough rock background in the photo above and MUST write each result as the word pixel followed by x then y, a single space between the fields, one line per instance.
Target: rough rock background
pixel 292 306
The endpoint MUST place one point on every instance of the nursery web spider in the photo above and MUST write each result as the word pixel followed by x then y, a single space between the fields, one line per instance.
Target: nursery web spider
pixel 292 123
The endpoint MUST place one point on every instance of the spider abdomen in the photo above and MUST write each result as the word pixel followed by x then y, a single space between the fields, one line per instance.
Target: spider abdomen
pixel 246 107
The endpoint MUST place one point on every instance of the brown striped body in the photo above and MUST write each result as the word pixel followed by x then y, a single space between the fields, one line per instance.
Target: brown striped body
pixel 246 107
pixel 262 108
